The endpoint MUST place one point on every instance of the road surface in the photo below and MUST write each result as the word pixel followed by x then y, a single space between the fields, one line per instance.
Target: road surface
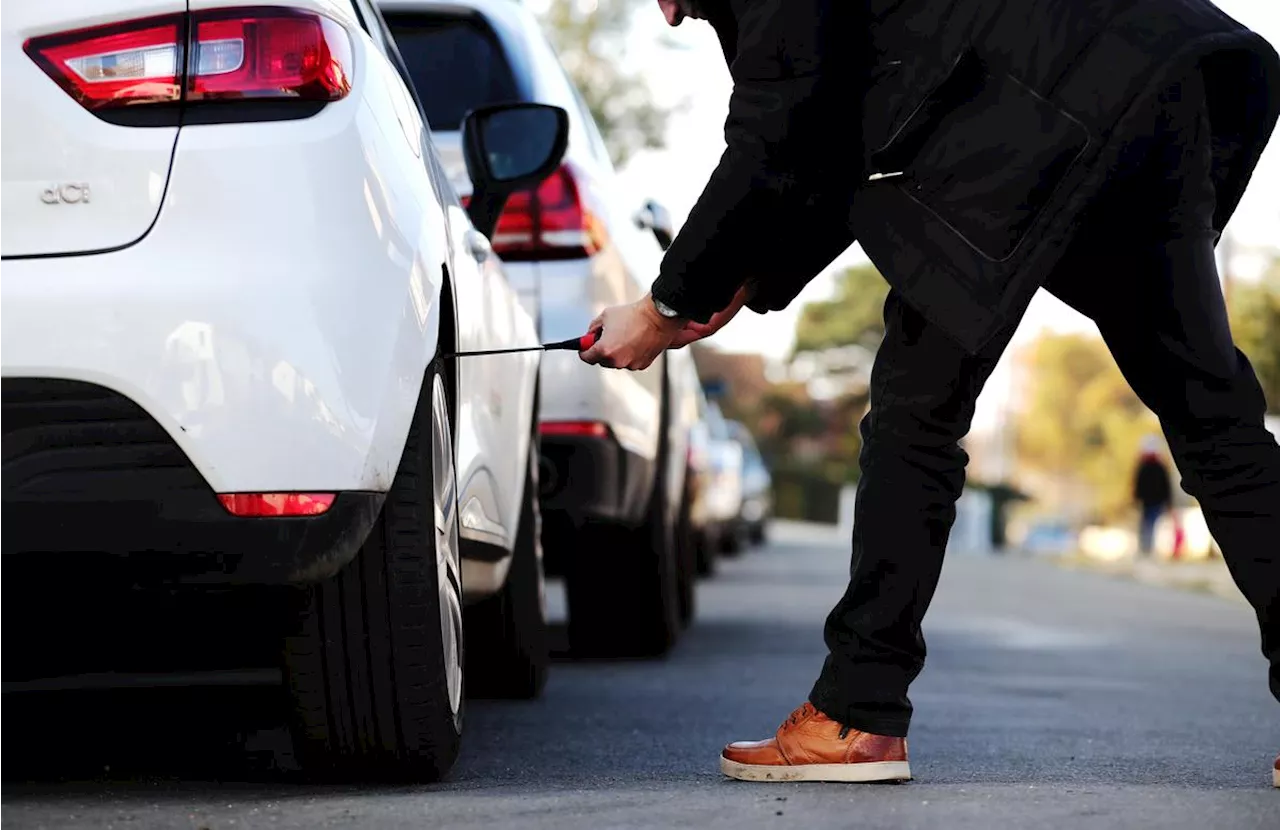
pixel 1051 699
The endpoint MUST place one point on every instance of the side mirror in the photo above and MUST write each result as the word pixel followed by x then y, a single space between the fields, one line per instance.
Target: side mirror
pixel 656 218
pixel 509 147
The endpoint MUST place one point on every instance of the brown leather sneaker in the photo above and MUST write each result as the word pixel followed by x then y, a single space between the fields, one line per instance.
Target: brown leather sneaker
pixel 812 747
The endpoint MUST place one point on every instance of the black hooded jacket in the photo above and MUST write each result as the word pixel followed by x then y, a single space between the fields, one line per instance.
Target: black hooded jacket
pixel 957 140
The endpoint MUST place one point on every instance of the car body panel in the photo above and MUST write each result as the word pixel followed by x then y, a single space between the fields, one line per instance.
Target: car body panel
pixel 727 462
pixel 72 182
pixel 757 483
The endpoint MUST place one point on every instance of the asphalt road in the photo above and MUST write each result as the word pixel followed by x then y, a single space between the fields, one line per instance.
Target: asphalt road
pixel 1051 699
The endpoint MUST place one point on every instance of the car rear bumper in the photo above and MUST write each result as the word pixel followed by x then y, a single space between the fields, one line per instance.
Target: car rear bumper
pixel 593 479
pixel 88 473
pixel 587 481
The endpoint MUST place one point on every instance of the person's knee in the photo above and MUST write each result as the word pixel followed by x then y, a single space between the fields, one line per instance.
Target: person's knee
pixel 1225 460
pixel 924 436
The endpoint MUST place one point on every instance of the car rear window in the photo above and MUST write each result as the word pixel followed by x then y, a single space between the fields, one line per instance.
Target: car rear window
pixel 456 64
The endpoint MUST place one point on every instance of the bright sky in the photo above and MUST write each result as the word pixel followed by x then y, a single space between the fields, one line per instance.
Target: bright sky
pixel 695 139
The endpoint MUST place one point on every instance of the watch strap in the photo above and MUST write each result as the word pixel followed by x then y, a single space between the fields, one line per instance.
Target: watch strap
pixel 664 309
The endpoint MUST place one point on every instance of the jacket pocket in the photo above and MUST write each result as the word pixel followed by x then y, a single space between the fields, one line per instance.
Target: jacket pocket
pixel 984 153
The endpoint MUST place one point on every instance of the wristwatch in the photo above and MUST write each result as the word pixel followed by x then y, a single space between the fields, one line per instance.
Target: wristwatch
pixel 664 309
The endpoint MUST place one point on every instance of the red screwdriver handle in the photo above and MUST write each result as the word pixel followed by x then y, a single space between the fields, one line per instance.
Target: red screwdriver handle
pixel 575 344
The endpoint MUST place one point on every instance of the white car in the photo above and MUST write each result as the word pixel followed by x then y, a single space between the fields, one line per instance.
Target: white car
pixel 614 443
pixel 234 272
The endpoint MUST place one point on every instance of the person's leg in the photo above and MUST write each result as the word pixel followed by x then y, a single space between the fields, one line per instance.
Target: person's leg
pixel 1146 529
pixel 853 728
pixel 923 391
pixel 1160 308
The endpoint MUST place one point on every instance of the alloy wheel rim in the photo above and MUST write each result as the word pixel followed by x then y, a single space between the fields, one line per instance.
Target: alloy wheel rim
pixel 448 565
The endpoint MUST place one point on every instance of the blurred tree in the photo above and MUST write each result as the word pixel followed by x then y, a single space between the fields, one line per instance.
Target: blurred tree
pixel 1081 421
pixel 1255 324
pixel 854 316
pixel 590 37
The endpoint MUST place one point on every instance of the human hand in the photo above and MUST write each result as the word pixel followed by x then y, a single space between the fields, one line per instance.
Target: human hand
pixel 633 337
pixel 692 332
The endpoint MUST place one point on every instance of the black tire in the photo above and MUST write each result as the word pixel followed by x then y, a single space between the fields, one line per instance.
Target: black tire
pixel 373 663
pixel 621 586
pixel 506 634
pixel 707 551
pixel 759 535
pixel 731 543
pixel 686 561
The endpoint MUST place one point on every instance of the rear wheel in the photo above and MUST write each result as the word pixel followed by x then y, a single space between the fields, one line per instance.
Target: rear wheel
pixel 622 587
pixel 507 633
pixel 374 662
pixel 731 544
pixel 687 558
pixel 707 550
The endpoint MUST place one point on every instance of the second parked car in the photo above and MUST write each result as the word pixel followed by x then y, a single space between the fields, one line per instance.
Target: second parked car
pixel 613 443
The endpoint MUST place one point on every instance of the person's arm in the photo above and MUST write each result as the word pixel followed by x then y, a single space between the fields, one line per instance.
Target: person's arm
pixel 775 209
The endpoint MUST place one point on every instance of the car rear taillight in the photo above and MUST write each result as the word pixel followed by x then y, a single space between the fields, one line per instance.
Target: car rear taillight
pixel 268 53
pixel 247 505
pixel 551 221
pixel 579 429
pixel 120 65
pixel 242 54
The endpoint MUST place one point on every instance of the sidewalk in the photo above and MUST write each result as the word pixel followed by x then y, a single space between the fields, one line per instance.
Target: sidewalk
pixel 1207 576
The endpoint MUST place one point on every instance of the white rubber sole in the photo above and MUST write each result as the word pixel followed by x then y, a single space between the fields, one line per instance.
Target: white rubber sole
pixel 866 773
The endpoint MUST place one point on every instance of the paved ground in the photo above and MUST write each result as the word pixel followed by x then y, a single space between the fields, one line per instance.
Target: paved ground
pixel 1052 699
pixel 1208 576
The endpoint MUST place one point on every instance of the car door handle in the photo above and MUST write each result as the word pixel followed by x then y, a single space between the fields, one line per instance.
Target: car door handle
pixel 478 246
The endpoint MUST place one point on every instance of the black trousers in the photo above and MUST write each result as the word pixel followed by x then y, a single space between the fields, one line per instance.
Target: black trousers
pixel 1153 290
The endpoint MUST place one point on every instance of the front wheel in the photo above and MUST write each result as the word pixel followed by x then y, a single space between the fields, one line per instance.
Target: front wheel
pixel 374 663
pixel 507 653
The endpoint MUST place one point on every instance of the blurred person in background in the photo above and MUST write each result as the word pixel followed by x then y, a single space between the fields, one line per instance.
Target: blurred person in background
pixel 978 150
pixel 1153 490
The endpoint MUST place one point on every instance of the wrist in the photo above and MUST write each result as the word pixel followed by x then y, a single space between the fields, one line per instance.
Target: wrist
pixel 666 317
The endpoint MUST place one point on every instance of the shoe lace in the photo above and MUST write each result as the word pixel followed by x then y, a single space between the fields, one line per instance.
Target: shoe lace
pixel 807 710
pixel 800 714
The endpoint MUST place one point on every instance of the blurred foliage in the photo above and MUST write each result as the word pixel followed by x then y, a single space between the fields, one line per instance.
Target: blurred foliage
pixel 811 449
pixel 1082 421
pixel 854 316
pixel 803 494
pixel 590 37
pixel 1255 324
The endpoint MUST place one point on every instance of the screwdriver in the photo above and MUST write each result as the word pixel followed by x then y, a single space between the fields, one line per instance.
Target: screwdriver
pixel 578 344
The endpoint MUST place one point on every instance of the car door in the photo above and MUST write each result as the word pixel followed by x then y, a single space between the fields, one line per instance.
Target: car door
pixel 494 393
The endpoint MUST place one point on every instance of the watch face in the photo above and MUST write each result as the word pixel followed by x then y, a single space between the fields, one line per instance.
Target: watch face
pixel 665 310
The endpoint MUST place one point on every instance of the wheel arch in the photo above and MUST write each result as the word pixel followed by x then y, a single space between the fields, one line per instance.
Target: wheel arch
pixel 447 342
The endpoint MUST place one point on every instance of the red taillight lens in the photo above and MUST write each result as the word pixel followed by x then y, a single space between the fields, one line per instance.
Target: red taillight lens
pixel 581 429
pixel 517 229
pixel 271 53
pixel 116 66
pixel 276 504
pixel 550 222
